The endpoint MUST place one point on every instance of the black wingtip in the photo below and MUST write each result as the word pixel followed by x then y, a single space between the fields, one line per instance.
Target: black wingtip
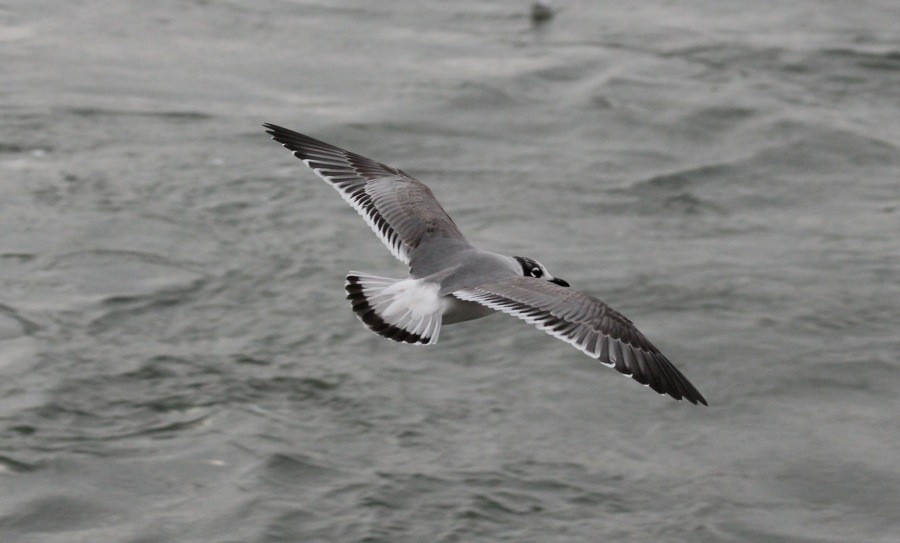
pixel 301 143
pixel 689 393
pixel 694 397
pixel 692 394
pixel 278 133
pixel 697 399
pixel 651 368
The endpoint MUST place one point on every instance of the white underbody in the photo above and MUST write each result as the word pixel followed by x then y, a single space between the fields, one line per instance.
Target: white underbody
pixel 456 310
pixel 409 310
pixel 419 297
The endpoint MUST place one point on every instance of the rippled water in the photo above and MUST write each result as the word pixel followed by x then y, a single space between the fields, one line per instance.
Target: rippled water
pixel 177 361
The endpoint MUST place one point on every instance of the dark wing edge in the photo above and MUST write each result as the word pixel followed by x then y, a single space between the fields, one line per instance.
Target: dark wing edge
pixel 592 327
pixel 307 148
pixel 348 173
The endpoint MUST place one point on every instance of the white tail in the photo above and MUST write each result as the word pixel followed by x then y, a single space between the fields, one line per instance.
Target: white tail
pixel 406 310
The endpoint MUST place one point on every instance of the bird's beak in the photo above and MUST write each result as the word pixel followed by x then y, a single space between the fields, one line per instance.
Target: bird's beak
pixel 560 282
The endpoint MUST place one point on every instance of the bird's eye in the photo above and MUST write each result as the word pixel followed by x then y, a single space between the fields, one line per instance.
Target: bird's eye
pixel 536 272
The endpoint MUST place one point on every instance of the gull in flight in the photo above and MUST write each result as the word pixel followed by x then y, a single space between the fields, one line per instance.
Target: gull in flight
pixel 450 280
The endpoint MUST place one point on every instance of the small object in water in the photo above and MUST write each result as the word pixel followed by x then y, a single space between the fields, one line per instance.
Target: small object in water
pixel 542 11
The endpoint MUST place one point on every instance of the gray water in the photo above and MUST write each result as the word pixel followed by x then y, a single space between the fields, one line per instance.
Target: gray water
pixel 178 362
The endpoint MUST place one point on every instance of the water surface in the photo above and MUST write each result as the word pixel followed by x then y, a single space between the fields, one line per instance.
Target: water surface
pixel 177 361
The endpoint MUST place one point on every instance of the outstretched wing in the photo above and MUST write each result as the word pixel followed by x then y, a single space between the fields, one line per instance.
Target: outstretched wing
pixel 401 210
pixel 590 325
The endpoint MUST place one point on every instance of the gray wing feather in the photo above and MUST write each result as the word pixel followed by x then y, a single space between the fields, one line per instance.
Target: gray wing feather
pixel 401 210
pixel 590 326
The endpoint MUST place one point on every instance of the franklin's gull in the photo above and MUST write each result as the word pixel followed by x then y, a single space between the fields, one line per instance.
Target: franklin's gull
pixel 450 280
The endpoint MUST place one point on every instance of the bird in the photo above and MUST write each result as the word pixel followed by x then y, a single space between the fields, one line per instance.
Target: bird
pixel 451 281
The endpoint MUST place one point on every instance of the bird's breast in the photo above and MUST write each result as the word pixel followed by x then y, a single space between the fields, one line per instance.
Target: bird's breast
pixel 456 310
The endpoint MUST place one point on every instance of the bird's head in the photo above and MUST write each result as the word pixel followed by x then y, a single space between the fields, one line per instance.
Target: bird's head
pixel 533 268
